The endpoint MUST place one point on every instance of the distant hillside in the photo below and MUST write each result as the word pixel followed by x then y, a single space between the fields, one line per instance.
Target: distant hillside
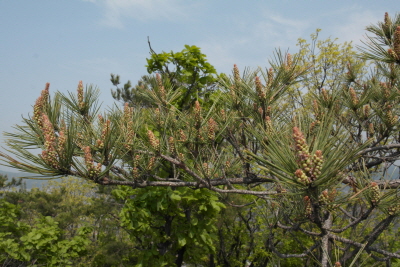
pixel 30 183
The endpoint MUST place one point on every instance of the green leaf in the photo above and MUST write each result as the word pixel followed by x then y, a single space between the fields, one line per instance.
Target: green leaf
pixel 181 241
pixel 175 197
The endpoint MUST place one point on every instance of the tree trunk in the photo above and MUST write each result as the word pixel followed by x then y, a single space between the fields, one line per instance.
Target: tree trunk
pixel 179 258
pixel 325 242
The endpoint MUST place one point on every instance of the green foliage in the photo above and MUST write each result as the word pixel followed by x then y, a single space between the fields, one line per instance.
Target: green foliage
pixel 71 203
pixel 42 243
pixel 191 77
pixel 328 61
pixel 190 64
pixel 165 223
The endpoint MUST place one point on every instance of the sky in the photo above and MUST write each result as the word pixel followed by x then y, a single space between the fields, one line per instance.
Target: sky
pixel 65 41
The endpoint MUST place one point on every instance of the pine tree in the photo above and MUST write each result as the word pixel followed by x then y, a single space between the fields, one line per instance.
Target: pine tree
pixel 319 164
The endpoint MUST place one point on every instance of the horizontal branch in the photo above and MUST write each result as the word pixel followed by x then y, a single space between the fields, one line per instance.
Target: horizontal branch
pixel 240 206
pixel 388 158
pixel 363 217
pixel 301 255
pixel 371 149
pixel 297 227
pixel 392 184
pixel 360 245
pixel 212 183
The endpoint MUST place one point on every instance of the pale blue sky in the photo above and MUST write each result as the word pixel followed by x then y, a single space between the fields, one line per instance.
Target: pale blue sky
pixel 64 41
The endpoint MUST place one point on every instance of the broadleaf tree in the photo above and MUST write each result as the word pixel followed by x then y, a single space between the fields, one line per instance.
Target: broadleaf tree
pixel 322 172
pixel 164 214
pixel 37 240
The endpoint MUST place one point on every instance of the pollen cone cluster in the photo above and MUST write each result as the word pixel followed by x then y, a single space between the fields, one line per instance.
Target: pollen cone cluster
pixel 49 154
pixel 309 165
pixel 396 42
pixel 93 170
pixel 40 105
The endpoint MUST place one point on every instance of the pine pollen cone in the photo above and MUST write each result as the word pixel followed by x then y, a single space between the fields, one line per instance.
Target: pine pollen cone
pixel 80 94
pixel 396 41
pixel 153 140
pixel 300 141
pixel 159 81
pixel 236 73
